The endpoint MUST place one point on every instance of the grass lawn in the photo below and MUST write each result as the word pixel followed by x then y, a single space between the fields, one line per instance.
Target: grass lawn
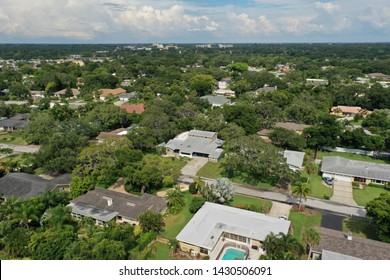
pixel 210 170
pixel 161 250
pixel 361 228
pixel 317 188
pixel 321 154
pixel 242 200
pixel 213 170
pixel 175 223
pixel 12 138
pixel 302 220
pixel 369 193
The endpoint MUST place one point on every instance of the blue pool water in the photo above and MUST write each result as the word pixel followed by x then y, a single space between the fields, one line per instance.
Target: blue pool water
pixel 233 254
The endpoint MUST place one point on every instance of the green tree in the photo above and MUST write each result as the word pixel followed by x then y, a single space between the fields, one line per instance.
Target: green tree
pixel 301 190
pixel 196 203
pixel 311 237
pixel 239 66
pixel 202 84
pixel 175 199
pixel 282 246
pixel 151 221
pixel 378 210
pixel 287 139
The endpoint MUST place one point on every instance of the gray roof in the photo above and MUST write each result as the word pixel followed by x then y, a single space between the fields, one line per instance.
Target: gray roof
pixel 362 248
pixel 344 166
pixel 95 204
pixel 128 95
pixel 329 255
pixel 208 224
pixel 25 185
pixel 18 121
pixel 294 158
pixel 216 100
pixel 197 141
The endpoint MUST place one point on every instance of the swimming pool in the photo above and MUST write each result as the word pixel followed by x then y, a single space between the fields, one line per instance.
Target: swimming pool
pixel 234 254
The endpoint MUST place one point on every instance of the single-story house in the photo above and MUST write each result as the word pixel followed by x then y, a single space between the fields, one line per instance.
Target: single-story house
pixel 296 127
pixel 134 108
pixel 106 205
pixel 61 93
pixel 343 169
pixel 338 245
pixel 216 100
pixel 127 96
pixel 115 134
pixel 106 92
pixel 16 122
pixel 23 185
pixel 349 111
pixel 195 143
pixel 294 159
pixel 316 82
pixel 215 225
pixel 225 92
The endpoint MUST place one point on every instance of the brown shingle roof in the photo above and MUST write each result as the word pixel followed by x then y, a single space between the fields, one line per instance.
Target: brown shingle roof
pixel 104 92
pixel 292 126
pixel 362 248
pixel 134 108
pixel 108 135
pixel 350 110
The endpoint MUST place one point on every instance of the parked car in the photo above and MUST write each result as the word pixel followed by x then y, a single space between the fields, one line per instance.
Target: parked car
pixel 328 180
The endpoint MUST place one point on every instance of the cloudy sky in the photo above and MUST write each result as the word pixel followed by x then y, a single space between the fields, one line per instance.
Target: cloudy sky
pixel 191 21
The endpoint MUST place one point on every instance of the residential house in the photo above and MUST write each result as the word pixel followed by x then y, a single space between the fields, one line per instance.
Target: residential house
pixel 115 134
pixel 195 143
pixel 126 96
pixel 107 92
pixel 61 93
pixel 38 94
pixel 216 101
pixel 266 89
pixel 296 127
pixel 16 122
pixel 134 108
pixel 106 205
pixel 379 76
pixel 216 227
pixel 349 111
pixel 225 92
pixel 316 82
pixel 294 159
pixel 23 185
pixel 347 170
pixel 338 245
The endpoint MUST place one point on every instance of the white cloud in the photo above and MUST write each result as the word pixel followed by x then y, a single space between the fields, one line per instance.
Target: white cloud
pixel 267 26
pixel 300 25
pixel 244 23
pixel 378 17
pixel 327 7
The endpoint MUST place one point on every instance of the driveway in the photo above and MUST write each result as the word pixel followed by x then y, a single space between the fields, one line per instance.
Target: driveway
pixel 342 192
pixel 22 148
pixel 279 209
pixel 193 166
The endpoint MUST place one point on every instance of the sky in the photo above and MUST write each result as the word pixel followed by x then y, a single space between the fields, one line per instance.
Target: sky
pixel 193 21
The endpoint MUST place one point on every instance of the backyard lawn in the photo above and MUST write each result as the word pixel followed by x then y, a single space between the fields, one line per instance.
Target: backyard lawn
pixel 367 194
pixel 321 154
pixel 160 251
pixel 302 220
pixel 361 228
pixel 175 223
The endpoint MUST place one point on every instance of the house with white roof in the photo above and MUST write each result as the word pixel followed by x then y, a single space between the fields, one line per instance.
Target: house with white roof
pixel 294 159
pixel 195 143
pixel 215 228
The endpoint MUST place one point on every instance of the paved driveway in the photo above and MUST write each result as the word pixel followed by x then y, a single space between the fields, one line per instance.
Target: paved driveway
pixel 279 209
pixel 22 148
pixel 193 166
pixel 342 193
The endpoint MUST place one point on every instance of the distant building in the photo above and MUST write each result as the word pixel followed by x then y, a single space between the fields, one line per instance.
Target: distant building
pixel 349 111
pixel 196 143
pixel 115 134
pixel 216 101
pixel 225 46
pixel 225 92
pixel 316 82
pixel 106 205
pixel 106 92
pixel 127 96
pixel 379 76
pixel 23 185
pixel 38 94
pixel 16 122
pixel 134 108
pixel 61 93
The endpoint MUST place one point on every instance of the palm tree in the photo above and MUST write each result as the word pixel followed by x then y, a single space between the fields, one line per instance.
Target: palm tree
pixel 57 217
pixel 199 183
pixel 302 190
pixel 282 247
pixel 311 237
pixel 175 199
pixel 174 244
pixel 25 214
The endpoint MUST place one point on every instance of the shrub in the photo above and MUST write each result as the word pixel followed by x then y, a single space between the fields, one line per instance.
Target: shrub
pixel 355 184
pixel 376 185
pixel 253 207
pixel 192 188
pixel 327 197
pixel 196 203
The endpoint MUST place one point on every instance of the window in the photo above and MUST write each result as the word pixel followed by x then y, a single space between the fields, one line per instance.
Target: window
pixel 204 251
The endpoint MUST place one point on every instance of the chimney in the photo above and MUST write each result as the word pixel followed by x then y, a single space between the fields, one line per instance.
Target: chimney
pixel 109 200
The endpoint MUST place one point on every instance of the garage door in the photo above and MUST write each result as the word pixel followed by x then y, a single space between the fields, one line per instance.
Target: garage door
pixel 342 178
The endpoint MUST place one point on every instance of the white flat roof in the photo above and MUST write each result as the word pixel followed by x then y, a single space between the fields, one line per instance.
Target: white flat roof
pixel 208 224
